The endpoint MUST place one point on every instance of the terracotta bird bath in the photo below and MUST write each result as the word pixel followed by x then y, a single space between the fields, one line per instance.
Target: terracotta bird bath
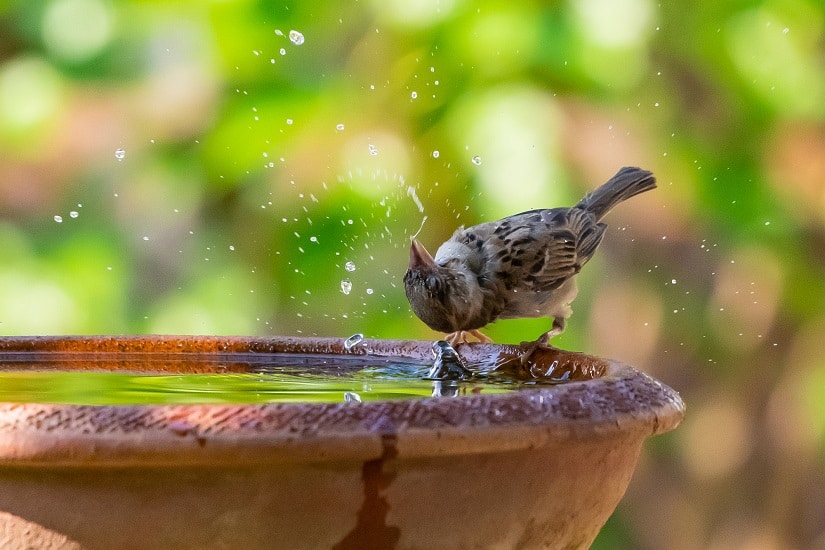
pixel 538 466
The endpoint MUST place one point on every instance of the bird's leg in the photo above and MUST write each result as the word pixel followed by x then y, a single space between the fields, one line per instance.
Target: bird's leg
pixel 455 337
pixel 461 336
pixel 543 341
pixel 558 327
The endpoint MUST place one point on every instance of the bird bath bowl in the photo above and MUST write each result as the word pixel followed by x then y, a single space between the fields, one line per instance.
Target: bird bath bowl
pixel 518 465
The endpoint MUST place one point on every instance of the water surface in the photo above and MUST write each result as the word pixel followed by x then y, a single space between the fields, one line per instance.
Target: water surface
pixel 112 378
pixel 108 379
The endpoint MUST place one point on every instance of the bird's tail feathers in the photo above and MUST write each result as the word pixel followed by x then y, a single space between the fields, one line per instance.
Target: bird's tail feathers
pixel 628 182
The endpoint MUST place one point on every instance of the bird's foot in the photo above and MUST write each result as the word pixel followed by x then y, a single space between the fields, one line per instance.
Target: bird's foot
pixel 532 347
pixel 460 336
pixel 542 342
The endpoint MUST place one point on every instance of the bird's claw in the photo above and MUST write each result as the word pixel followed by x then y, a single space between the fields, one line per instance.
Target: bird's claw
pixel 542 342
pixel 461 336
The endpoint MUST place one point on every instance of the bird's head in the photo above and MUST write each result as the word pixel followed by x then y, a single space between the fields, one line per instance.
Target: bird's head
pixel 438 294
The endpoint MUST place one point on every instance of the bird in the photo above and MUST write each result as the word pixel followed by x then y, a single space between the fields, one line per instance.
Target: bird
pixel 524 265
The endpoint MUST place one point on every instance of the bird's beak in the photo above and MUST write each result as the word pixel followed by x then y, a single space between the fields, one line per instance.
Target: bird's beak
pixel 419 257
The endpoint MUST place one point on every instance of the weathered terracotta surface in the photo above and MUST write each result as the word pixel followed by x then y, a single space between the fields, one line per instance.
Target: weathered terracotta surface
pixel 539 468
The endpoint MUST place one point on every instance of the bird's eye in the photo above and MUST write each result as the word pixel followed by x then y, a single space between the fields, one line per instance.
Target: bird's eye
pixel 432 282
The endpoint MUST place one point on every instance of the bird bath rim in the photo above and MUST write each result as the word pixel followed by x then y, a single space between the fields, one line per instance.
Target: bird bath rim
pixel 619 402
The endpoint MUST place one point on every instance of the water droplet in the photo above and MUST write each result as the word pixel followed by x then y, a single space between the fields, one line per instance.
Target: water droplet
pixel 349 266
pixel 372 149
pixel 414 196
pixel 346 286
pixel 73 214
pixel 673 281
pixel 145 238
pixel 351 397
pixel 476 160
pixel 414 95
pixel 58 219
pixel 353 340
pixel 282 51
pixel 435 154
pixel 231 247
pixel 296 37
pixel 369 291
pixel 120 153
pixel 340 127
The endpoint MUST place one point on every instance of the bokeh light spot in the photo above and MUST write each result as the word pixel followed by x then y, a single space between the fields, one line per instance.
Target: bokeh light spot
pixel 716 439
pixel 514 130
pixel 76 30
pixel 614 23
pixel 30 96
pixel 33 304
pixel 414 13
pixel 781 67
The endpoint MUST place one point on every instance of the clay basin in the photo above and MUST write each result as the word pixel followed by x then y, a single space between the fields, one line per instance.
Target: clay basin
pixel 529 465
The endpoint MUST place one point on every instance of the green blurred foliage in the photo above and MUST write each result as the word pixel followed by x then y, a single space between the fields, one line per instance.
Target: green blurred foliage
pixel 249 181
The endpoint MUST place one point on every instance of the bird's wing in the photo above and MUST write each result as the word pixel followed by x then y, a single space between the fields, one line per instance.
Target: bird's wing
pixel 536 250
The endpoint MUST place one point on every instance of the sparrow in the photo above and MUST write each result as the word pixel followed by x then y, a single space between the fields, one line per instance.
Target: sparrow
pixel 524 265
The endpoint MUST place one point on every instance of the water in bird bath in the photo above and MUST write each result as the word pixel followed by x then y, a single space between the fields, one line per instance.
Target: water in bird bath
pixel 111 378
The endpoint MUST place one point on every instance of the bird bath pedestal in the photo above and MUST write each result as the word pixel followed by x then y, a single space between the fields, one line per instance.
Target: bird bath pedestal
pixel 540 467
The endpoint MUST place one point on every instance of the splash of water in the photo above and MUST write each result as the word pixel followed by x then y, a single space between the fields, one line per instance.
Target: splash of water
pixel 448 364
pixel 353 340
pixel 351 397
